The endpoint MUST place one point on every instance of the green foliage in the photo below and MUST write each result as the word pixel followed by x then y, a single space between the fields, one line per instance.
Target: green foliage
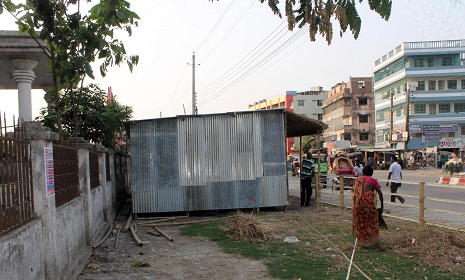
pixel 98 121
pixel 319 13
pixel 73 40
pixel 310 259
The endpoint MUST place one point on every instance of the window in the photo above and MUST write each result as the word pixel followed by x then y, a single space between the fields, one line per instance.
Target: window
pixel 452 84
pixel 444 108
pixel 463 84
pixel 459 107
pixel 431 85
pixel 398 112
pixel 462 129
pixel 421 85
pixel 441 85
pixel 291 104
pixel 363 119
pixel 347 136
pixel 447 61
pixel 363 136
pixel 432 109
pixel 451 134
pixel 319 102
pixel 419 108
pixel 430 61
pixel 320 117
pixel 363 101
pixel 418 62
pixel 300 102
pixel 361 84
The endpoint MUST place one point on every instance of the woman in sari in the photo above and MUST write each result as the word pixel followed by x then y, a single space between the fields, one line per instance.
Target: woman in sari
pixel 365 224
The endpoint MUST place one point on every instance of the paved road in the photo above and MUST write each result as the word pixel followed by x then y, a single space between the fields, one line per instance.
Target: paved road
pixel 410 191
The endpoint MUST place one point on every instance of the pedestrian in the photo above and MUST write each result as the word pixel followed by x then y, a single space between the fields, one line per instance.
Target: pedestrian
pixel 365 221
pixel 307 173
pixel 370 161
pixel 412 162
pixel 357 167
pixel 395 174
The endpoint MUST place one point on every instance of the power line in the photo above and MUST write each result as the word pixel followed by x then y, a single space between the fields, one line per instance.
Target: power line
pixel 219 80
pixel 229 31
pixel 214 27
pixel 283 46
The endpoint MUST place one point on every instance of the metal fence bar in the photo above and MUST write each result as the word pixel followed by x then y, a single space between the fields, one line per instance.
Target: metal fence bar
pixel 16 195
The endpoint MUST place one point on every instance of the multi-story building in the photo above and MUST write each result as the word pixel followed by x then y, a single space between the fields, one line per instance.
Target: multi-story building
pixel 307 103
pixel 420 88
pixel 349 112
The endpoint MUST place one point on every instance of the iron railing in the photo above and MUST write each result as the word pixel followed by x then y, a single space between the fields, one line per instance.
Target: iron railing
pixel 16 190
pixel 66 169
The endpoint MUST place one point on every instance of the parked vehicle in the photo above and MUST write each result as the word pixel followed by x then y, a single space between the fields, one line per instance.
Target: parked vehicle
pixel 343 166
pixel 321 168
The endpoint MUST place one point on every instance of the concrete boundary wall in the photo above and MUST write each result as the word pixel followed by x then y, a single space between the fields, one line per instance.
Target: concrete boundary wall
pixel 58 242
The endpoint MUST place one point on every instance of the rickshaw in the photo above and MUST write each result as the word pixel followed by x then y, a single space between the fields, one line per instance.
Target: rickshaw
pixel 342 166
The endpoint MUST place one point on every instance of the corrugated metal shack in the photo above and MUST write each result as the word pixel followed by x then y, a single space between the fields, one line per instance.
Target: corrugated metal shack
pixel 208 162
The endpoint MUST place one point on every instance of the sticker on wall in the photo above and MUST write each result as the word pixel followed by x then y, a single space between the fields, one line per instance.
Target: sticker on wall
pixel 49 171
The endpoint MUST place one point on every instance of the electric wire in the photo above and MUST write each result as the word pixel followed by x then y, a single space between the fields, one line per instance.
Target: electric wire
pixel 214 27
pixel 172 95
pixel 278 50
pixel 227 33
pixel 238 63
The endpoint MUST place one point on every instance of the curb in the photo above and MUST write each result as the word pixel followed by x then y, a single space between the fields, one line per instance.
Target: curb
pixel 451 181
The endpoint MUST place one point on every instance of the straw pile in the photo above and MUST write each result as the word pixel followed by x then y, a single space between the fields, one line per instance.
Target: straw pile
pixel 434 246
pixel 246 227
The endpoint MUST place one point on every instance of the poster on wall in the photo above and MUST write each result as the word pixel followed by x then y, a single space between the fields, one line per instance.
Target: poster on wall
pixel 431 131
pixel 49 171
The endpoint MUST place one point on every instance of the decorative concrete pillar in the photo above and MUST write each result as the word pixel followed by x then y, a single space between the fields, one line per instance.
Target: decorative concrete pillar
pixel 44 205
pixel 24 76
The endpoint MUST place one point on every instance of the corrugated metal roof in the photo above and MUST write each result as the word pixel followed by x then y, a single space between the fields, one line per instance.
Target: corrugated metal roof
pixel 208 162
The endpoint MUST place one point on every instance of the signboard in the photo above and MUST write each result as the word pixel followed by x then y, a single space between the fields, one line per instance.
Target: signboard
pixel 431 131
pixel 415 128
pixel 381 145
pixel 448 127
pixel 450 143
pixel 49 171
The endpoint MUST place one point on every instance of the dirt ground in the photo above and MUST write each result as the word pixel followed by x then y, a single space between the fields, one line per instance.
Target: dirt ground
pixel 184 258
pixel 197 258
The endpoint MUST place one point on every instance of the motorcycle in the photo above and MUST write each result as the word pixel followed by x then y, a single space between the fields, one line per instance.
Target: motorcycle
pixel 295 171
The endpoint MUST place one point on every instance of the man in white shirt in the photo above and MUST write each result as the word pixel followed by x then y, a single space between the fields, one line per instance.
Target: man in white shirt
pixel 358 168
pixel 395 174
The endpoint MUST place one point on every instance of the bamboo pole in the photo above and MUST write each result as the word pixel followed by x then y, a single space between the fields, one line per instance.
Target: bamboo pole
pixel 341 193
pixel 157 221
pixel 153 233
pixel 164 234
pixel 422 206
pixel 134 236
pixel 317 192
pixel 128 223
pixel 185 223
pixel 160 218
pixel 104 238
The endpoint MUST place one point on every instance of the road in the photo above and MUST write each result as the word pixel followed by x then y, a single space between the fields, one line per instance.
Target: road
pixel 410 191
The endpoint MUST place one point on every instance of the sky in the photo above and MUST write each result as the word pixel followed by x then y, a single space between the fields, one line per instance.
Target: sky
pixel 244 53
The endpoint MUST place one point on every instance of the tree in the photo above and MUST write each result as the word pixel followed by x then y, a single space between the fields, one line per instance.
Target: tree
pixel 100 120
pixel 74 40
pixel 318 14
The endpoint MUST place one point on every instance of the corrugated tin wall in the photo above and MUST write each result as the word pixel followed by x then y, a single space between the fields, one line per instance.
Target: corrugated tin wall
pixel 208 162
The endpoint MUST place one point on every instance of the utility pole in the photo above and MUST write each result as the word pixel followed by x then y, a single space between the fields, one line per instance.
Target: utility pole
pixel 410 86
pixel 194 99
pixel 390 119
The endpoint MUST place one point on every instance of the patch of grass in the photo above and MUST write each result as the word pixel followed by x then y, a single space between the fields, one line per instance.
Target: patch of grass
pixel 316 258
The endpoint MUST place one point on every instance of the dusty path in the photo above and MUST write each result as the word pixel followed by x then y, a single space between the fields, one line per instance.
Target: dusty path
pixel 185 258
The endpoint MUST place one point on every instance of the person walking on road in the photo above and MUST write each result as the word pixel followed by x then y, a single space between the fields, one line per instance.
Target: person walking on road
pixel 365 216
pixel 395 174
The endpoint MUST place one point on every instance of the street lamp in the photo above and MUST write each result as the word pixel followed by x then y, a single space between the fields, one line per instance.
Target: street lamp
pixel 411 86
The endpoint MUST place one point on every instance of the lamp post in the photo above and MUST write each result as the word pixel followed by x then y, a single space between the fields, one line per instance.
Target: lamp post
pixel 390 119
pixel 411 86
